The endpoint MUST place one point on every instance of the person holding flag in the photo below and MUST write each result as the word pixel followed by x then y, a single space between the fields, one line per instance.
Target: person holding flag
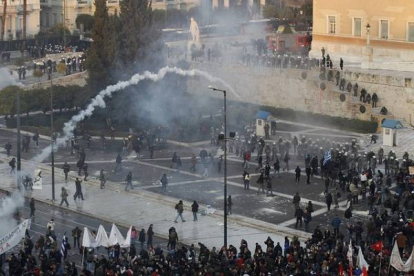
pixel 350 255
pixel 362 263
pixel 64 247
pixel 327 157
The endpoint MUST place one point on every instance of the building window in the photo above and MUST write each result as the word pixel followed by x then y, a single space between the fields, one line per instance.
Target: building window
pixel 384 29
pixel 411 31
pixel 387 131
pixel 47 19
pixel 332 24
pixel 357 27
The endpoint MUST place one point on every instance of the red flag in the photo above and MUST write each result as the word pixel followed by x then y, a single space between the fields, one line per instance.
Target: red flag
pixel 377 246
pixel 364 271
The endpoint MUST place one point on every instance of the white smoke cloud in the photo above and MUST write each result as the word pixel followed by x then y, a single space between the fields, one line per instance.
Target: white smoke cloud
pixel 6 79
pixel 8 206
pixel 98 101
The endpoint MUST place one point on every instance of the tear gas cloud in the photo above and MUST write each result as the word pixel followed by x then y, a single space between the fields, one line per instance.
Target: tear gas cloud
pixel 8 205
pixel 98 101
pixel 6 78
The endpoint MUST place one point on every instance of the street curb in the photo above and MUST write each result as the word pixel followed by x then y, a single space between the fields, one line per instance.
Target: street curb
pixel 117 138
pixel 50 203
pixel 269 228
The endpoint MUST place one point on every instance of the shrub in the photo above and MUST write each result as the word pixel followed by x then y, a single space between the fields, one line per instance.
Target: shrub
pixel 354 125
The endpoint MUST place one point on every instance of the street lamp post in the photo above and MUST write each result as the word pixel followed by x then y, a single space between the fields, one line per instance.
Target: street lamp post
pixel 225 161
pixel 19 163
pixel 368 34
pixel 52 138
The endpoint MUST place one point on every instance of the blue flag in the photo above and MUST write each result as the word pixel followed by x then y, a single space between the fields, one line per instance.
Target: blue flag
pixel 327 157
pixel 63 249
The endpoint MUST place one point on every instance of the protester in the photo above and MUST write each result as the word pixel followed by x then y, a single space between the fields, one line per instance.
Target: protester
pixel 180 209
pixel 194 209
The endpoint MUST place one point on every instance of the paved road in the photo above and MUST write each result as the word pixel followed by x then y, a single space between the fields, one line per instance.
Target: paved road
pixel 189 185
pixel 65 221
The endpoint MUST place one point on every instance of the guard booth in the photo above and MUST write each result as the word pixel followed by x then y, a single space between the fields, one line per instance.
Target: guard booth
pixel 263 118
pixel 390 132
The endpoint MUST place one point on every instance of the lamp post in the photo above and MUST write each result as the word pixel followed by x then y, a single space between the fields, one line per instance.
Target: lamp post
pixel 19 163
pixel 52 137
pixel 225 161
pixel 368 34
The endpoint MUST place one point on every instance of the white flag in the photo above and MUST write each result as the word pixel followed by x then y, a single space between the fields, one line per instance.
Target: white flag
pixel 361 263
pixel 350 255
pixel 115 237
pixel 101 238
pixel 398 264
pixel 38 180
pixel 14 237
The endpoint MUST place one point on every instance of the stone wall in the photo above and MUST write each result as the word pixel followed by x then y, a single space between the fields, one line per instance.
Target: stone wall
pixel 395 92
pixel 73 79
pixel 289 89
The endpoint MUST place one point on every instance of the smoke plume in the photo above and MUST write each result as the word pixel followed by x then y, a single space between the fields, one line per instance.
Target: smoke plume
pixel 98 101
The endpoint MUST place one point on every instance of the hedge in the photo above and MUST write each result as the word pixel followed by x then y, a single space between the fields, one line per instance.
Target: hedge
pixel 353 125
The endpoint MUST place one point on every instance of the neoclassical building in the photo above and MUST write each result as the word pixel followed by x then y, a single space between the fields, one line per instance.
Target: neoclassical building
pixel 53 11
pixel 378 34
pixel 14 18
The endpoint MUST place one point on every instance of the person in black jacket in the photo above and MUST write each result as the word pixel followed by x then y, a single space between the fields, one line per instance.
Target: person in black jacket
pixel 194 209
pixel 299 216
pixel 297 172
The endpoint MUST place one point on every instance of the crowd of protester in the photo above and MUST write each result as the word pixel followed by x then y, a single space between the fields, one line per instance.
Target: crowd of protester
pixel 388 194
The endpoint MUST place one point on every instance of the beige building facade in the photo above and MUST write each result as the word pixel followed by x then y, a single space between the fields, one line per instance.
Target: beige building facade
pixel 174 4
pixel 53 11
pixel 378 34
pixel 14 18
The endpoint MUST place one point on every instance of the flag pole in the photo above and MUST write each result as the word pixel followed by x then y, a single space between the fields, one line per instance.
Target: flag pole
pixel 389 266
pixel 382 247
pixel 83 256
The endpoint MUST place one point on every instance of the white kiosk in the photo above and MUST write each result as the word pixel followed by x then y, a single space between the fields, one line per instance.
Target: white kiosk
pixel 263 118
pixel 390 133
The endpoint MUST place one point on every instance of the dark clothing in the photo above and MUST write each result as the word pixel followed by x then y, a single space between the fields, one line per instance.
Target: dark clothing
pixel 297 171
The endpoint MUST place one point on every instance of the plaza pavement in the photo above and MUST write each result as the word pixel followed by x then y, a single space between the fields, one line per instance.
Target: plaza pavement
pixel 142 208
pixel 146 204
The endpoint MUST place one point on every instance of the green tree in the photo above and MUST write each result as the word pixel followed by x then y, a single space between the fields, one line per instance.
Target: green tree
pixel 159 18
pixel 87 21
pixel 111 46
pixel 61 68
pixel 8 98
pixel 38 73
pixel 270 11
pixel 97 62
pixel 137 35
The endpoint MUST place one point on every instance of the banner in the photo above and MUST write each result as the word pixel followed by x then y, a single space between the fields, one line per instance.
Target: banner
pixel 115 237
pixel 102 239
pixel 14 237
pixel 398 264
pixel 38 180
